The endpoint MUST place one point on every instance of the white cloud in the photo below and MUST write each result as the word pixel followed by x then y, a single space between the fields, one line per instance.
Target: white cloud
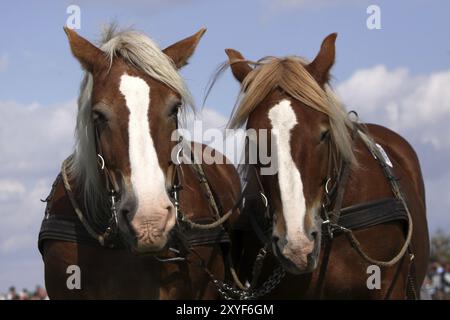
pixel 21 216
pixel 418 106
pixel 4 61
pixel 213 119
pixel 10 188
pixel 208 117
pixel 34 139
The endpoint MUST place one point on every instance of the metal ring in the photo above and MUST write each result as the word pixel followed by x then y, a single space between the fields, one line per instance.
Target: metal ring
pixel 264 198
pixel 354 113
pixel 326 186
pixel 178 155
pixel 168 260
pixel 102 162
pixel 174 250
pixel 177 215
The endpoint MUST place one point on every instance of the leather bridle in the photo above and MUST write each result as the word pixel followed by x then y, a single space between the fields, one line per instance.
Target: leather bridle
pixel 113 189
pixel 339 171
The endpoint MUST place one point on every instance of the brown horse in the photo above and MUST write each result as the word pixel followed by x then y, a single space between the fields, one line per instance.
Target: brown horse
pixel 327 167
pixel 115 220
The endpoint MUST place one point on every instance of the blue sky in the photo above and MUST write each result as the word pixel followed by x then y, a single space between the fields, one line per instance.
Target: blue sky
pixel 413 35
pixel 398 76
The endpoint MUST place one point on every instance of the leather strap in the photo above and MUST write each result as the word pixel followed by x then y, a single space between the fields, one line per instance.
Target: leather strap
pixel 372 213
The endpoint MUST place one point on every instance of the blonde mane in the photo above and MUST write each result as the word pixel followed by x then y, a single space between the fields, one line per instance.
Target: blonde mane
pixel 290 75
pixel 141 52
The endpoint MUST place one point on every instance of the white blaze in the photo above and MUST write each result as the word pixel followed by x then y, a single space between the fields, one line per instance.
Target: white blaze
pixel 146 175
pixel 283 119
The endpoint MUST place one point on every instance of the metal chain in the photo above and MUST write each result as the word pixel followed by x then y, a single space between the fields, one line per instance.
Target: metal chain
pixel 230 293
pixel 258 264
pixel 270 283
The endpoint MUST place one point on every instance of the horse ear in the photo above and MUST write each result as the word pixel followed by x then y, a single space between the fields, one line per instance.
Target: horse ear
pixel 322 63
pixel 181 51
pixel 86 53
pixel 240 69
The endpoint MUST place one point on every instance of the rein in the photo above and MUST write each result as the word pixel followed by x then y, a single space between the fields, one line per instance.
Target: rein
pixel 331 214
pixel 105 238
pixel 396 190
pixel 198 169
pixel 339 172
pixel 109 237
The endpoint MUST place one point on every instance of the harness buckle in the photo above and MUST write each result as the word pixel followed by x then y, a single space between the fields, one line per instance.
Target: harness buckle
pixel 264 199
pixel 179 155
pixel 113 208
pixel 176 202
pixel 327 224
pixel 177 258
pixel 101 161
pixel 327 189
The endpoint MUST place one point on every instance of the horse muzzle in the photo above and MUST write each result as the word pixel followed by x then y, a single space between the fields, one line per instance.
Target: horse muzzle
pixel 299 258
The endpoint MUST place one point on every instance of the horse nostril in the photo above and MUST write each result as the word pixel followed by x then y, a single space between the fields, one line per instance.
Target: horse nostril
pixel 124 213
pixel 314 235
pixel 128 206
pixel 275 239
pixel 310 258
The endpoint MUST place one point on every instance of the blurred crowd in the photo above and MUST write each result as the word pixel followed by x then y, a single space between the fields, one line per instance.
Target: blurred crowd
pixel 38 294
pixel 436 285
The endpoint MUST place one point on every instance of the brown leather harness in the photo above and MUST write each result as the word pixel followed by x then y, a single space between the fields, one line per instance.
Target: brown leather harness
pixel 189 234
pixel 338 220
pixel 84 231
pixel 186 235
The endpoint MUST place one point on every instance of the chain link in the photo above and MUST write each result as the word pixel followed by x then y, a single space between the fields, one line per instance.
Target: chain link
pixel 230 293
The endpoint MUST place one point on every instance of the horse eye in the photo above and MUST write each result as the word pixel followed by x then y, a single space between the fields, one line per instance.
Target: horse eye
pixel 98 117
pixel 174 110
pixel 324 135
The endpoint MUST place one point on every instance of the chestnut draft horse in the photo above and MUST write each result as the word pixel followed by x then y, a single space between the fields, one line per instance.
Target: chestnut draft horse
pixel 343 216
pixel 123 220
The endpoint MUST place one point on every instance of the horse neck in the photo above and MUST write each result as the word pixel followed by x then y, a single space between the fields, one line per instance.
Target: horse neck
pixel 194 204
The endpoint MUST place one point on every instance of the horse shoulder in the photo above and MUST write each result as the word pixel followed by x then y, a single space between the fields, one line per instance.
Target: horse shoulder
pixel 402 152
